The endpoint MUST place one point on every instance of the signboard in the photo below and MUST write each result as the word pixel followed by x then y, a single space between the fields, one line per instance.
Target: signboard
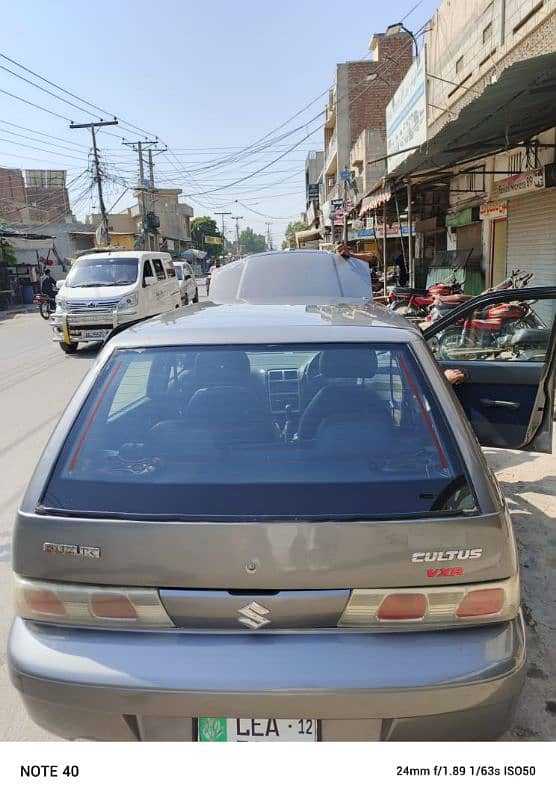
pixel 406 113
pixel 519 184
pixel 313 191
pixel 213 240
pixel 345 175
pixel 337 202
pixel 393 230
pixel 494 210
pixel 459 218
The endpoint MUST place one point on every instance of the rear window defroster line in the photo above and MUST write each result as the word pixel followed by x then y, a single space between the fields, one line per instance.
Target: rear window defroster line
pixel 428 423
pixel 94 412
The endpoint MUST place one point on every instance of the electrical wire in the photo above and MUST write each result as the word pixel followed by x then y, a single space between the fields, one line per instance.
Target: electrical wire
pixel 43 134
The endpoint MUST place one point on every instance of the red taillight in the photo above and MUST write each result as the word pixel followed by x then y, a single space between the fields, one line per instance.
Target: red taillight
pixel 112 606
pixel 481 602
pixel 402 606
pixel 44 602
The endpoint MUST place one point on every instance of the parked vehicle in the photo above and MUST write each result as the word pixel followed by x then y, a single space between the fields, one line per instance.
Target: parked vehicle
pixel 416 302
pixel 107 290
pixel 443 304
pixel 46 304
pixel 295 276
pixel 188 285
pixel 302 480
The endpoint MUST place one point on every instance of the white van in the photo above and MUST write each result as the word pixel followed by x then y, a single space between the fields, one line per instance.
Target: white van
pixel 107 290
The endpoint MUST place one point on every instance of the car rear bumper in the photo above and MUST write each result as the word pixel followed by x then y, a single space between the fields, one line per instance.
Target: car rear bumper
pixel 119 685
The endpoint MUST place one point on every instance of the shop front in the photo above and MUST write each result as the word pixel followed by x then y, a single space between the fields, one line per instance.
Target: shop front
pixel 495 215
pixel 465 224
pixel 530 198
pixel 371 240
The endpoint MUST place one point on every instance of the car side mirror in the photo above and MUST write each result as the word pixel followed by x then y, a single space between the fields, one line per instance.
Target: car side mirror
pixel 149 281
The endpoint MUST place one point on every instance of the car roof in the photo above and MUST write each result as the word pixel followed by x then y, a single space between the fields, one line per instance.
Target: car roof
pixel 292 276
pixel 237 323
pixel 124 254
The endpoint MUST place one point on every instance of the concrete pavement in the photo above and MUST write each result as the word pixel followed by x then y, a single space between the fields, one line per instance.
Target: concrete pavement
pixel 36 383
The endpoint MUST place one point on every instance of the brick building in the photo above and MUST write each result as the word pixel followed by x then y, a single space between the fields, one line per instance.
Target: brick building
pixel 46 191
pixel 12 194
pixel 41 198
pixel 357 103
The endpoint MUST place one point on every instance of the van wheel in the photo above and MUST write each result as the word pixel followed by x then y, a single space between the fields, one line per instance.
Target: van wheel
pixel 68 348
pixel 196 298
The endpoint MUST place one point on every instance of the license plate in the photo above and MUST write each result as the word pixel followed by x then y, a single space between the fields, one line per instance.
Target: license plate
pixel 222 729
pixel 100 333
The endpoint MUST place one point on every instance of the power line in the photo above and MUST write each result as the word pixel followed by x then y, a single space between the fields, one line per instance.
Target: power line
pixel 71 94
pixel 35 105
pixel 41 133
pixel 42 149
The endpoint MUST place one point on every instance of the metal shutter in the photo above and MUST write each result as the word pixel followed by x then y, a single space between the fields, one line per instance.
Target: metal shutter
pixel 532 236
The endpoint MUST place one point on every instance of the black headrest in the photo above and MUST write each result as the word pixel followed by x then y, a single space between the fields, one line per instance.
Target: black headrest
pixel 221 367
pixel 355 362
pixel 532 336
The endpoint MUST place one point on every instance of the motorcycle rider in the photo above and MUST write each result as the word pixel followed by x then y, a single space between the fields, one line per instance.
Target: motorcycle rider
pixel 48 286
pixel 216 265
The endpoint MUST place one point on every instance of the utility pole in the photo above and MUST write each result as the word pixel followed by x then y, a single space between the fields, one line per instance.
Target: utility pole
pixel 223 214
pixel 268 235
pixel 105 236
pixel 237 219
pixel 138 148
pixel 153 197
pixel 345 236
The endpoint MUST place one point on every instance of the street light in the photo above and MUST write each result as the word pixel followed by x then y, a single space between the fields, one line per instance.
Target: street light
pixel 398 27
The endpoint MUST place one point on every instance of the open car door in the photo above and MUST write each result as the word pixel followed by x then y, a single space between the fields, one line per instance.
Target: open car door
pixel 505 344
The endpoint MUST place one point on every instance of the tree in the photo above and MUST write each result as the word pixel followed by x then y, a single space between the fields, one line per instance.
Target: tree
pixel 291 230
pixel 251 242
pixel 201 227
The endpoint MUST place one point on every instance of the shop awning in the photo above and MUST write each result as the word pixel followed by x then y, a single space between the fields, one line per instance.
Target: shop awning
pixel 519 105
pixel 308 236
pixel 375 200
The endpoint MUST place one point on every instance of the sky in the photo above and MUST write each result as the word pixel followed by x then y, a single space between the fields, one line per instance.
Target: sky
pixel 209 79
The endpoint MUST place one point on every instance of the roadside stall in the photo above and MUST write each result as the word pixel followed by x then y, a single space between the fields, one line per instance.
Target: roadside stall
pixel 29 255
pixel 197 259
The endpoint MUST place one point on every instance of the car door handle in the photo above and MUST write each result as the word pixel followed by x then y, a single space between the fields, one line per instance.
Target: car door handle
pixel 499 403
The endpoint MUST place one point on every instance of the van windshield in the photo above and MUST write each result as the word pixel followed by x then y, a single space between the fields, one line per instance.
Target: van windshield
pixel 88 272
pixel 268 432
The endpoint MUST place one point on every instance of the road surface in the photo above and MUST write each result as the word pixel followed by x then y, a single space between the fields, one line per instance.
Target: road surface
pixel 36 382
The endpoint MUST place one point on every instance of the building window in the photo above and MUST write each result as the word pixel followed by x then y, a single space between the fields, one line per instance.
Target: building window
pixel 487 33
pixel 475 180
pixel 514 163
pixel 532 155
pixel 459 64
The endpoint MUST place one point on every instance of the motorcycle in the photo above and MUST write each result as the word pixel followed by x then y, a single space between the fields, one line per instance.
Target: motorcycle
pixel 46 304
pixel 442 305
pixel 505 327
pixel 416 302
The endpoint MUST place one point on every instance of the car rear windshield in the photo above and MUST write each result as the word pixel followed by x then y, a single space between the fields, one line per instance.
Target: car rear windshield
pixel 290 278
pixel 267 432
pixel 88 272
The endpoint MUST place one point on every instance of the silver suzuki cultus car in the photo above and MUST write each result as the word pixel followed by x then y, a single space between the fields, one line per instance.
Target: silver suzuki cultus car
pixel 264 523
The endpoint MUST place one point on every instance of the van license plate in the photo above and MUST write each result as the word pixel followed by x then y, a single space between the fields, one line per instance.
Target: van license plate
pixel 222 729
pixel 100 333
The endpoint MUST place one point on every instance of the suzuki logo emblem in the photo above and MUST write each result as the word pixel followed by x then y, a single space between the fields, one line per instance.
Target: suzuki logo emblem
pixel 91 305
pixel 254 615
